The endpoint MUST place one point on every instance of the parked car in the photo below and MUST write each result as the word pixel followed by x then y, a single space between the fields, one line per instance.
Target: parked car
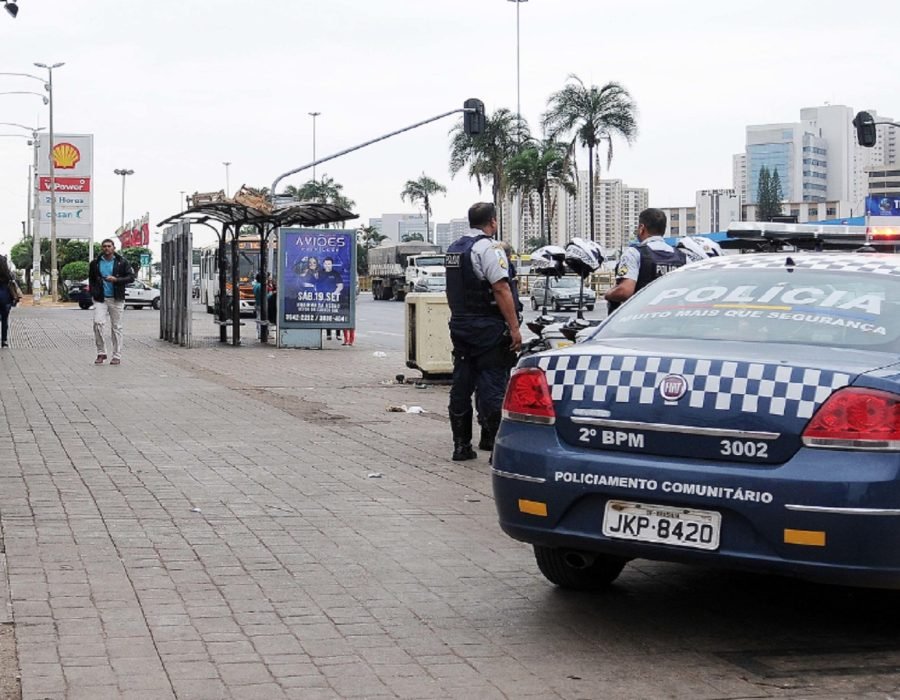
pixel 741 411
pixel 139 294
pixel 80 292
pixel 430 283
pixel 562 294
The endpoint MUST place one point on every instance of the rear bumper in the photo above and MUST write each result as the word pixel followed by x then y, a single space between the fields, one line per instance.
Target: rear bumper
pixel 853 498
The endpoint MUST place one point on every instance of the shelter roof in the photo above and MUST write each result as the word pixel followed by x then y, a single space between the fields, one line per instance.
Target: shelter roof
pixel 235 213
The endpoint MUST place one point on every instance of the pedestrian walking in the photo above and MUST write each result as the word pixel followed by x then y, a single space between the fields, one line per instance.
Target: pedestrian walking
pixel 484 327
pixel 260 293
pixel 641 264
pixel 10 294
pixel 109 274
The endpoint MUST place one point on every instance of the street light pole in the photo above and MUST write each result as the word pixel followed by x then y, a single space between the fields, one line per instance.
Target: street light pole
pixel 517 198
pixel 54 273
pixel 314 115
pixel 226 163
pixel 518 72
pixel 124 173
pixel 36 280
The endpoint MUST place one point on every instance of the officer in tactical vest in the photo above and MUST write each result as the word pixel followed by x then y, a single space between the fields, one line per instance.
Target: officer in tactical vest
pixel 641 264
pixel 484 327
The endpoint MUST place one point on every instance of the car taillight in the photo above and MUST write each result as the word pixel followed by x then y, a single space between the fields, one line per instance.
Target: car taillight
pixel 528 397
pixel 858 419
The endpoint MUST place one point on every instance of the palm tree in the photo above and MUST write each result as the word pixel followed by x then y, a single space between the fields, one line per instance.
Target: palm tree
pixel 371 237
pixel 420 190
pixel 535 169
pixel 591 114
pixel 486 155
pixel 324 191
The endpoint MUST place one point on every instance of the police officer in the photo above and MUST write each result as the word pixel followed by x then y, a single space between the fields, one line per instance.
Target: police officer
pixel 484 327
pixel 641 264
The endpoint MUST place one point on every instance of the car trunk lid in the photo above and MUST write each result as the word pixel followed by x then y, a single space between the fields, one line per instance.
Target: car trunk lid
pixel 714 404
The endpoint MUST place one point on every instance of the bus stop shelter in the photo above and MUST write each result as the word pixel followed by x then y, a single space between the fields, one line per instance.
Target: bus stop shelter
pixel 248 208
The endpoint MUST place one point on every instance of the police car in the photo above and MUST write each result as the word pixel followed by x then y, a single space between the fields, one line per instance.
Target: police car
pixel 742 411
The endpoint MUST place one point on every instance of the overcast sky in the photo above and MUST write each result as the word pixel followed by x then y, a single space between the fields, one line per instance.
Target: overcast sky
pixel 173 89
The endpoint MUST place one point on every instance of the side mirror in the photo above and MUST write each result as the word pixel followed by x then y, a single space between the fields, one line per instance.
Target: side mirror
pixel 866 133
pixel 473 120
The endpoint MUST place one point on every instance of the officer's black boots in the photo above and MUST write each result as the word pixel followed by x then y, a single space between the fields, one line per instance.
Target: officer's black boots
pixel 486 441
pixel 461 425
pixel 489 427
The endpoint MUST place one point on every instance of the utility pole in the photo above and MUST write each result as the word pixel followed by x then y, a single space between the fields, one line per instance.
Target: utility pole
pixel 314 115
pixel 54 273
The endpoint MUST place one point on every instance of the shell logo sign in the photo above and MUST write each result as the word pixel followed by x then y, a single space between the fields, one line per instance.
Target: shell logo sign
pixel 65 156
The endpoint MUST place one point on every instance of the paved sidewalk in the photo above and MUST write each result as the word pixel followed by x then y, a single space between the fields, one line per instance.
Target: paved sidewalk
pixel 207 523
pixel 254 523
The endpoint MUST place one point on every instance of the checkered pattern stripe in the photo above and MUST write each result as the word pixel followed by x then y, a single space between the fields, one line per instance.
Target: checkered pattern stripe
pixel 717 385
pixel 866 264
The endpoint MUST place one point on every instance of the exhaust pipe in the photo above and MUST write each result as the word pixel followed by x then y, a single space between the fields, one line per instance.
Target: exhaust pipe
pixel 578 560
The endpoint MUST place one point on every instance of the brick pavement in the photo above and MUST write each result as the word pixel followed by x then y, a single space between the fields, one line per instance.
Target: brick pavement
pixel 202 524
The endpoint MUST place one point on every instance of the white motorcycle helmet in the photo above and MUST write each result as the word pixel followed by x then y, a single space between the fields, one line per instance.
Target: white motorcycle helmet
pixel 583 257
pixel 548 260
pixel 699 248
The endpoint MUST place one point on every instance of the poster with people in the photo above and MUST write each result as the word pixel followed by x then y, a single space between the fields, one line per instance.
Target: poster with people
pixel 317 278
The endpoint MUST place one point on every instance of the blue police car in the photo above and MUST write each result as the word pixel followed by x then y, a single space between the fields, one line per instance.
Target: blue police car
pixel 742 411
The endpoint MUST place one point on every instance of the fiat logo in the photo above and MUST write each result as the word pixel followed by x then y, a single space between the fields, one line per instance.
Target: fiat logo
pixel 673 387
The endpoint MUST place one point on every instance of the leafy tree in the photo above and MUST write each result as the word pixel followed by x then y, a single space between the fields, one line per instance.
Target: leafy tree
pixel 414 236
pixel 71 251
pixel 590 115
pixel 420 190
pixel 486 154
pixel 534 170
pixel 775 188
pixel 133 255
pixel 768 196
pixel 74 271
pixel 21 255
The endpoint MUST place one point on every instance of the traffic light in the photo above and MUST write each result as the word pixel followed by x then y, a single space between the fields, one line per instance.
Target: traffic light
pixel 865 129
pixel 473 121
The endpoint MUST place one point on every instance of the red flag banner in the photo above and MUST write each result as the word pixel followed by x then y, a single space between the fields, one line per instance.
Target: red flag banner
pixel 145 230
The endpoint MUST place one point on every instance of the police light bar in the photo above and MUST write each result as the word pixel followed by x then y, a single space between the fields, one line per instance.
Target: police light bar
pixel 831 234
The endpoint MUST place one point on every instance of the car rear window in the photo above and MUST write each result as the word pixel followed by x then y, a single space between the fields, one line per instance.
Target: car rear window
pixel 771 305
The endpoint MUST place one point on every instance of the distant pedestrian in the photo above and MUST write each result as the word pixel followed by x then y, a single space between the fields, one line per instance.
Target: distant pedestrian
pixel 10 294
pixel 109 274
pixel 260 291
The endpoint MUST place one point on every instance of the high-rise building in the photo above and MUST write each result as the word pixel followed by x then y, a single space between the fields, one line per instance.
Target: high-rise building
pixel 716 209
pixel 818 158
pixel 445 234
pixel 396 226
pixel 681 221
pixel 799 157
pixel 616 210
pixel 739 175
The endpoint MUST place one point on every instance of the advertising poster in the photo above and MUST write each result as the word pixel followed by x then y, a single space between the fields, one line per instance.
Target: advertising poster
pixel 883 206
pixel 73 165
pixel 317 278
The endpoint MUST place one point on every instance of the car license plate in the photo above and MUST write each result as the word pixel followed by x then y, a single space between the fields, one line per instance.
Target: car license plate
pixel 681 527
